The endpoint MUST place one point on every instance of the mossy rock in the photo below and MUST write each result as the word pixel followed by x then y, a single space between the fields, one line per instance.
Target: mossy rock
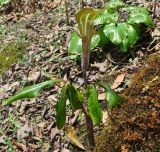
pixel 10 54
pixel 135 125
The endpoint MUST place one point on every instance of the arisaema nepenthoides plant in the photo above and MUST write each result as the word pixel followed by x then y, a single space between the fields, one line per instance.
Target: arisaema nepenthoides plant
pixel 85 30
pixel 85 98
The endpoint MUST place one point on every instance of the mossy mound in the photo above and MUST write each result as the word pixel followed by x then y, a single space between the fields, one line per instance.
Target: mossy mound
pixel 135 125
pixel 10 53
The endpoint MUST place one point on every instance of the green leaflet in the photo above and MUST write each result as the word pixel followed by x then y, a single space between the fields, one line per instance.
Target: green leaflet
pixel 122 33
pixel 106 18
pixel 132 9
pixel 61 108
pixel 112 97
pixel 113 5
pixel 94 107
pixel 140 17
pixel 103 38
pixel 4 2
pixel 75 44
pixel 131 37
pixel 116 34
pixel 30 91
pixel 75 103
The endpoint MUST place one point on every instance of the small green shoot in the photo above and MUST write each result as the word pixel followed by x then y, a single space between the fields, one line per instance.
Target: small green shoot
pixel 13 121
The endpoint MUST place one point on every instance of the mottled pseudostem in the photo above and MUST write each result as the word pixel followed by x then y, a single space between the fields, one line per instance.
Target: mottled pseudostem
pixel 85 57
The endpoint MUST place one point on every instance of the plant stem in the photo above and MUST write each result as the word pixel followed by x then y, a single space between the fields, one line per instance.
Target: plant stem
pixel 90 131
pixel 85 63
pixel 85 58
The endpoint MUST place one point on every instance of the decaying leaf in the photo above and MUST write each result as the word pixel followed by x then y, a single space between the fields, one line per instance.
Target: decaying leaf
pixel 118 81
pixel 20 145
pixel 33 76
pixel 71 134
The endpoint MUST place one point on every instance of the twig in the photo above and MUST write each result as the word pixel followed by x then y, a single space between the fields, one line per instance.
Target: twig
pixel 66 10
pixel 154 47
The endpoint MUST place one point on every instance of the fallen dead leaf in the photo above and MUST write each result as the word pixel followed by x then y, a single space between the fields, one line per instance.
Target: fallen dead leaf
pixel 34 146
pixel 65 150
pixel 124 148
pixel 118 81
pixel 102 66
pixel 105 117
pixel 20 146
pixel 33 76
pixel 102 96
pixel 2 139
pixel 24 131
pixel 71 134
pixel 37 132
pixel 54 132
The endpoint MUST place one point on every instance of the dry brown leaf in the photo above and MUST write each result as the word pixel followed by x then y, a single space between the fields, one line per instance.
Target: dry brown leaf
pixel 71 134
pixel 34 146
pixel 118 81
pixel 38 132
pixel 105 117
pixel 34 76
pixel 65 150
pixel 54 132
pixel 124 148
pixel 102 66
pixel 24 131
pixel 102 96
pixel 19 145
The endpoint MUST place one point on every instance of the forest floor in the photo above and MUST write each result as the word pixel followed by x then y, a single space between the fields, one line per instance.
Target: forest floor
pixel 39 37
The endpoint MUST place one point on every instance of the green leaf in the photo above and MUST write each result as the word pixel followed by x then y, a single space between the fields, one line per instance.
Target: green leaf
pixel 103 38
pixel 94 41
pixel 131 39
pixel 75 44
pixel 139 17
pixel 125 45
pixel 114 5
pixel 116 34
pixel 75 103
pixel 112 97
pixel 80 96
pixel 61 108
pixel 135 9
pixel 106 18
pixel 30 91
pixel 132 35
pixel 94 107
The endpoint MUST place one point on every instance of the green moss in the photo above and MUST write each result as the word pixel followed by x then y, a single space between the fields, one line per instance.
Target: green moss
pixel 135 125
pixel 10 54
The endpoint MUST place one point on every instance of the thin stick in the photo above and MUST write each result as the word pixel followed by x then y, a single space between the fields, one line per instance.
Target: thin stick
pixel 66 10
